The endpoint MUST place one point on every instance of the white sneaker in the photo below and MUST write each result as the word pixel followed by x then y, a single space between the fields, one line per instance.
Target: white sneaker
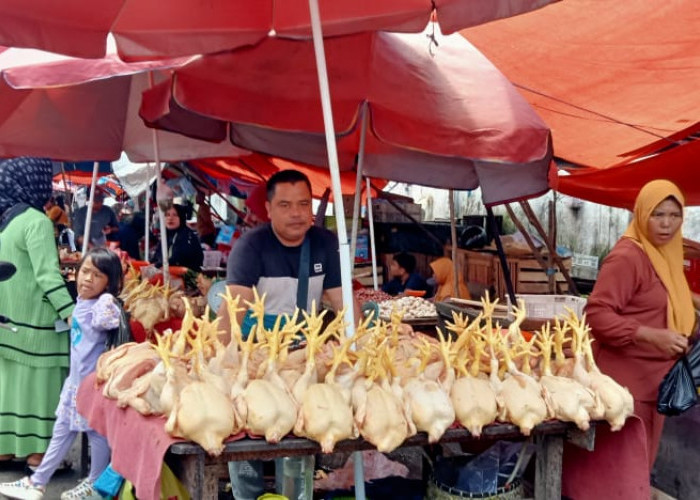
pixel 83 491
pixel 22 489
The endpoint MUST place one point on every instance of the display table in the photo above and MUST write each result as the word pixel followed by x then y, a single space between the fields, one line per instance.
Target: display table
pixel 139 445
pixel 200 472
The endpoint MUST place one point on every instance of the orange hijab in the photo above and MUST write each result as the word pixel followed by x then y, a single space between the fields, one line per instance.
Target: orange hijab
pixel 667 259
pixel 444 277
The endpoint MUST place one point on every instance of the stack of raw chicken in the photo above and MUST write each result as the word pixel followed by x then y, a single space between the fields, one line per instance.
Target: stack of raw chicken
pixel 150 304
pixel 384 383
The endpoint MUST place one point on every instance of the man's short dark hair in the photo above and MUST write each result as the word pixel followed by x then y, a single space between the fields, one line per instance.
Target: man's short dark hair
pixel 406 260
pixel 285 176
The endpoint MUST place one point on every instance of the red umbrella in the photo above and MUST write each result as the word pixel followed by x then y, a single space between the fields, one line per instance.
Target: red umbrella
pixel 148 29
pixel 84 109
pixel 449 121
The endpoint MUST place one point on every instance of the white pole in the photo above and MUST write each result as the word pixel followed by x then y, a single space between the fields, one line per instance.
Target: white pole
pixel 370 221
pixel 358 185
pixel 161 216
pixel 345 273
pixel 147 209
pixel 88 216
pixel 453 237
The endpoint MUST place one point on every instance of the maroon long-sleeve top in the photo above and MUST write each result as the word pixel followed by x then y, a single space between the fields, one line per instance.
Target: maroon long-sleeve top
pixel 627 294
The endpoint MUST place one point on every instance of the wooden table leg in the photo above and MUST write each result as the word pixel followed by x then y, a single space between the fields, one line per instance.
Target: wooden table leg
pixel 550 449
pixel 193 474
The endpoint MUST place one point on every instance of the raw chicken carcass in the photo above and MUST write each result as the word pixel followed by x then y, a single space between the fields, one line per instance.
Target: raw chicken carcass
pixel 617 400
pixel 325 414
pixel 519 396
pixel 380 412
pixel 271 410
pixel 204 415
pixel 428 400
pixel 567 399
pixel 473 398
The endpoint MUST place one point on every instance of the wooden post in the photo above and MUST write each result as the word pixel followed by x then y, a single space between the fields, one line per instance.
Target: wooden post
pixel 535 251
pixel 533 220
pixel 553 238
pixel 548 466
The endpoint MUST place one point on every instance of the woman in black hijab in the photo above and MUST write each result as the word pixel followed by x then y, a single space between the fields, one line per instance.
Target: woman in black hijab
pixel 184 247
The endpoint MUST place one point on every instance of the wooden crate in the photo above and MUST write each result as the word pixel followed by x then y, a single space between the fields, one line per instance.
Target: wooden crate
pixel 532 279
pixel 484 268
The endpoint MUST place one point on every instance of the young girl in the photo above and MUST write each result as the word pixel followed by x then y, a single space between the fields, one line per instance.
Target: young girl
pixel 99 282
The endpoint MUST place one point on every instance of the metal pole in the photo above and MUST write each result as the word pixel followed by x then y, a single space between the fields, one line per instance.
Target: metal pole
pixel 161 216
pixel 453 236
pixel 370 221
pixel 358 184
pixel 345 272
pixel 147 236
pixel 88 216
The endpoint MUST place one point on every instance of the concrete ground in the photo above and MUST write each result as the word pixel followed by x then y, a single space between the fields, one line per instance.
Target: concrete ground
pixel 63 480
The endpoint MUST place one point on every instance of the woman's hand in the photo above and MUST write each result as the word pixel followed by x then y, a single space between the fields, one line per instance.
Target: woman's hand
pixel 667 342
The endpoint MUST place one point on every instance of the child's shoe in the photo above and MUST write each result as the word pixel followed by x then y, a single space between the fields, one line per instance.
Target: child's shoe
pixel 22 489
pixel 84 490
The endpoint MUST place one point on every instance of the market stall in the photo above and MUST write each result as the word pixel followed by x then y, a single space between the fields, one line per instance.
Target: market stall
pixel 445 390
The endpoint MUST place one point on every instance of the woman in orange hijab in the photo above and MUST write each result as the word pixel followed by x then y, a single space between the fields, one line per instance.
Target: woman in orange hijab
pixel 443 271
pixel 641 308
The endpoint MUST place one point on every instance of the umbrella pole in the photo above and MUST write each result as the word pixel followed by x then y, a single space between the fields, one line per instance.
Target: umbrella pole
pixel 345 273
pixel 370 221
pixel 453 236
pixel 88 216
pixel 65 188
pixel 358 185
pixel 147 209
pixel 161 216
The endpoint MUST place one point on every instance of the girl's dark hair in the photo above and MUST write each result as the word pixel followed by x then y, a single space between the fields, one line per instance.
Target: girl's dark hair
pixel 108 263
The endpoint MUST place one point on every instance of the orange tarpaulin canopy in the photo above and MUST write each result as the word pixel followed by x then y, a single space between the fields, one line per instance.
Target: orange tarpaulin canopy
pixel 613 80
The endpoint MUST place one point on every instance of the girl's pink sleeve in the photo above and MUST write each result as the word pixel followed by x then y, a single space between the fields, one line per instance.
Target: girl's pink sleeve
pixel 106 314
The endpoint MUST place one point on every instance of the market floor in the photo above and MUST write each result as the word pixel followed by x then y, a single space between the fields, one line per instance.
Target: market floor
pixel 61 481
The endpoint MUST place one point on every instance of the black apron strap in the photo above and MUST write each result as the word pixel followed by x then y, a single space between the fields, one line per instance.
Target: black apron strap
pixel 303 283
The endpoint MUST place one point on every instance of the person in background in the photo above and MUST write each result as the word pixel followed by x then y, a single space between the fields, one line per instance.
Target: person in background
pixel 184 247
pixel 205 225
pixel 57 214
pixel 402 270
pixel 131 232
pixel 99 283
pixel 34 359
pixel 641 309
pixel 444 274
pixel 269 257
pixel 103 222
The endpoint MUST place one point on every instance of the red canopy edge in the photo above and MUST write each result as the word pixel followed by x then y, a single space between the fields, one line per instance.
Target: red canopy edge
pixel 618 186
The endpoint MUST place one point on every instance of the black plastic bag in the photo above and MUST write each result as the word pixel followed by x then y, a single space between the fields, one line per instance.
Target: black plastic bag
pixel 121 334
pixel 694 362
pixel 677 392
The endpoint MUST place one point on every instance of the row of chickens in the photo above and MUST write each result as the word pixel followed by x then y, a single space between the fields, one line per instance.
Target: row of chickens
pixel 384 383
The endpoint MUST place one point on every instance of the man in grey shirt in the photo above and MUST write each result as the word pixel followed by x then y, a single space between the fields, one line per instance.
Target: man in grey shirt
pixel 103 222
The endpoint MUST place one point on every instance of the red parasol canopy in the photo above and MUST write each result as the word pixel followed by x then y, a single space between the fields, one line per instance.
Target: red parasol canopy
pixel 451 120
pixel 150 29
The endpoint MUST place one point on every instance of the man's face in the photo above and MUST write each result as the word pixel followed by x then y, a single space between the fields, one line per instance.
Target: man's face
pixel 290 212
